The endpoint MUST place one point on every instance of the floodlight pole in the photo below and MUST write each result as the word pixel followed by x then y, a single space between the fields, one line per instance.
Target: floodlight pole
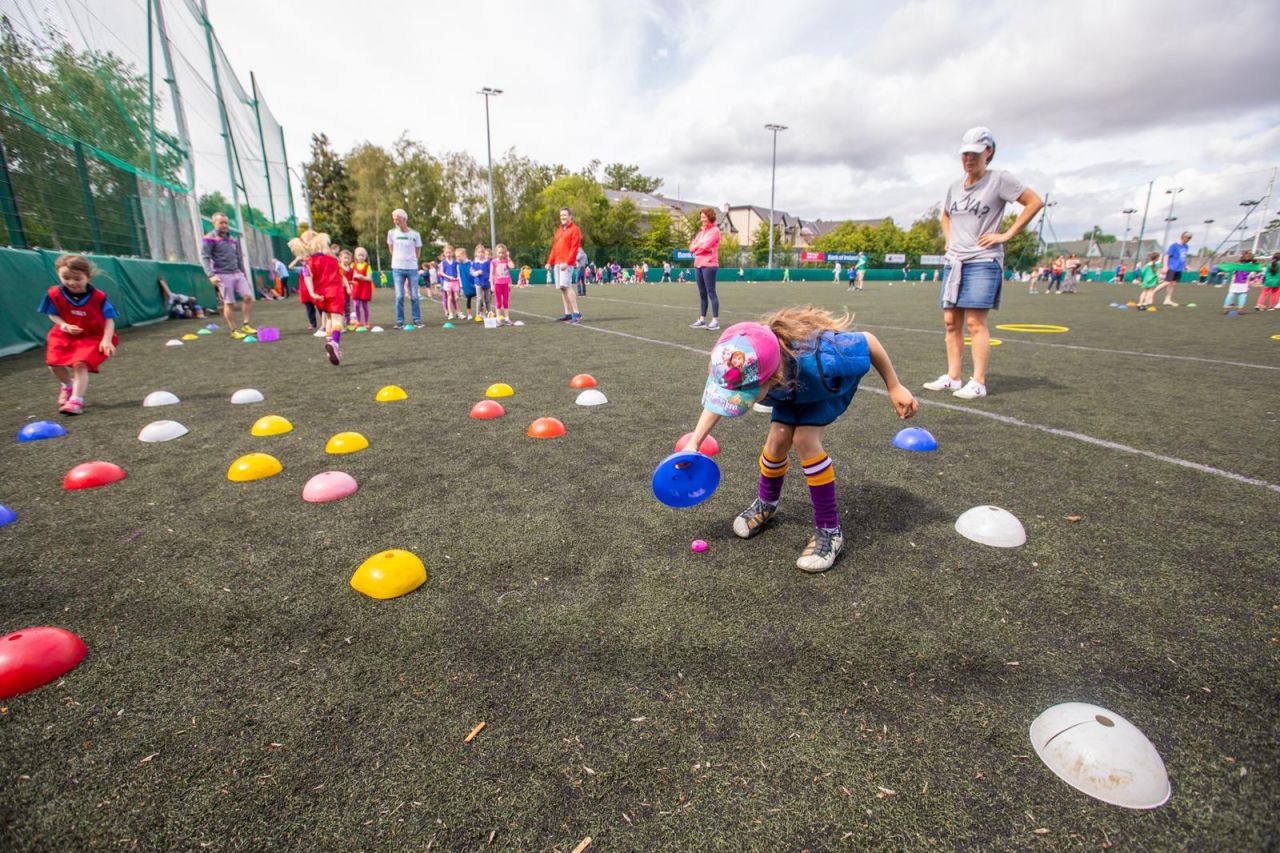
pixel 1044 214
pixel 262 141
pixel 1266 203
pixel 1142 229
pixel 226 132
pixel 1207 223
pixel 1124 244
pixel 488 145
pixel 773 175
pixel 1172 193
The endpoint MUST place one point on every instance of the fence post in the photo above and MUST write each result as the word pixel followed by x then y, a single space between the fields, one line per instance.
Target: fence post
pixel 90 209
pixel 12 219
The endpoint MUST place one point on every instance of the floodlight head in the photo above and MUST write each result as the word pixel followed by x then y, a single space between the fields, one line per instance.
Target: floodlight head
pixel 1130 210
pixel 486 91
pixel 775 127
pixel 1250 203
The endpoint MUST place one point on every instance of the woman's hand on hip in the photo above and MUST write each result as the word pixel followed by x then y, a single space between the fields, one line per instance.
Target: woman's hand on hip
pixel 994 238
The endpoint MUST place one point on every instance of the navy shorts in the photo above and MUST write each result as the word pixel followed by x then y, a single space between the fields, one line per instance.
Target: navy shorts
pixel 980 283
pixel 1173 275
pixel 812 414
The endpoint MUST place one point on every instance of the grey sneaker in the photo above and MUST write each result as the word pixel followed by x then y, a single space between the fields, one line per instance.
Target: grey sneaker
pixel 821 552
pixel 698 324
pixel 754 518
pixel 713 326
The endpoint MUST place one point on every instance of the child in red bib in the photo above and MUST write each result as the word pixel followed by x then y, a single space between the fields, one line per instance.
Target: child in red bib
pixel 83 334
pixel 326 287
pixel 362 286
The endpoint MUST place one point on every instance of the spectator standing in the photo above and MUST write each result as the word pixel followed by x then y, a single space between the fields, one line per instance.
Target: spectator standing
pixel 565 244
pixel 405 246
pixel 706 265
pixel 223 260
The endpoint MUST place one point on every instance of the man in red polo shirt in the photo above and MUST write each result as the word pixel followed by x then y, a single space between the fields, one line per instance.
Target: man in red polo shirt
pixel 564 255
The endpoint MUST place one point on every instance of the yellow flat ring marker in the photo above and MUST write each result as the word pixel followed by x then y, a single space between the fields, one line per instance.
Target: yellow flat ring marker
pixel 1033 327
pixel 995 342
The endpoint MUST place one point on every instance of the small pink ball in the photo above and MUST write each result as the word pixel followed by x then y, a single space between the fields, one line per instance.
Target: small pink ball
pixel 699 545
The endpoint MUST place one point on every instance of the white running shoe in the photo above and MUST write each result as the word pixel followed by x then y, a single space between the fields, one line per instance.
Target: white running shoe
pixel 698 324
pixel 972 390
pixel 713 326
pixel 943 383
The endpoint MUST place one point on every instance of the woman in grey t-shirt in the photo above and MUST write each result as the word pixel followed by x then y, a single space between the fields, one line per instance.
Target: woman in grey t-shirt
pixel 974 265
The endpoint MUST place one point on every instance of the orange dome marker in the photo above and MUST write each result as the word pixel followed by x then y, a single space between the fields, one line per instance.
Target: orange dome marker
pixel 583 380
pixel 546 428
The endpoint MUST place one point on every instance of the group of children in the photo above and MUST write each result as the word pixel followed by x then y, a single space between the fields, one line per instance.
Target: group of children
pixel 1244 274
pixel 485 283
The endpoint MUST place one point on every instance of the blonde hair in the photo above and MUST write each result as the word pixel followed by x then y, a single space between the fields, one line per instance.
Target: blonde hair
pixel 501 247
pixel 316 242
pixel 361 250
pixel 298 248
pixel 75 263
pixel 794 326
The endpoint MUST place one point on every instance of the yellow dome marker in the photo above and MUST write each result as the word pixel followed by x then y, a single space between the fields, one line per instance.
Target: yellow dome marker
pixel 389 574
pixel 499 389
pixel 254 466
pixel 346 442
pixel 391 393
pixel 190 337
pixel 271 425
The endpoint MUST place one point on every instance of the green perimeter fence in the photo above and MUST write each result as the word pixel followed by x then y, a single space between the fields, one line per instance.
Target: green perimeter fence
pixel 132 285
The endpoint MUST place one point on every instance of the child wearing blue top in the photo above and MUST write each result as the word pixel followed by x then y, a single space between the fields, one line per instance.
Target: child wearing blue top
pixel 450 284
pixel 480 279
pixel 468 284
pixel 806 364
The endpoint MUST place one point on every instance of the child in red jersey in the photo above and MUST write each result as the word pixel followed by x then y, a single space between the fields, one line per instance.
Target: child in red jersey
pixel 83 334
pixel 326 288
pixel 361 287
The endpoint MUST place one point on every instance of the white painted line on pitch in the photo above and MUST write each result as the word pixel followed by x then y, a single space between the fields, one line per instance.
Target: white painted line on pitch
pixel 1004 419
pixel 1006 340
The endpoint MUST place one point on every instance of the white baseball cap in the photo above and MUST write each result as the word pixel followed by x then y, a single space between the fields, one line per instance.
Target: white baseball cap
pixel 976 140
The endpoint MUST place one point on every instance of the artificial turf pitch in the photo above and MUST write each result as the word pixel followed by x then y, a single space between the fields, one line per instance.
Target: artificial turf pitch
pixel 239 695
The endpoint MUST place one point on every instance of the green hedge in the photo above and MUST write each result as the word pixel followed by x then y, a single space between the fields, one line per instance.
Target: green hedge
pixel 132 285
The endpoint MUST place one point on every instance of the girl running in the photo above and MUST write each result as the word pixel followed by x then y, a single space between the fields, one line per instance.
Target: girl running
pixel 83 334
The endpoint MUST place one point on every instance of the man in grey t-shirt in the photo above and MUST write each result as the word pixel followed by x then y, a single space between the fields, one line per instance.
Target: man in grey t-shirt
pixel 405 246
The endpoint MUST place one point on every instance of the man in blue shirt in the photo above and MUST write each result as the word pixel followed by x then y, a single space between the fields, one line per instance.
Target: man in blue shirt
pixel 1175 264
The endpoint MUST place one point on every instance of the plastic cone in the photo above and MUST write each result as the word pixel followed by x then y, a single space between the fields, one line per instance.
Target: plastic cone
pixel 346 442
pixel 991 525
pixel 710 447
pixel 1102 754
pixel 390 393
pixel 247 395
pixel 158 431
pixel 329 486
pixel 487 409
pixel 92 475
pixel 592 397
pixel 915 438
pixel 40 430
pixel 271 425
pixel 389 574
pixel 583 380
pixel 159 398
pixel 499 389
pixel 546 428
pixel 34 657
pixel 254 466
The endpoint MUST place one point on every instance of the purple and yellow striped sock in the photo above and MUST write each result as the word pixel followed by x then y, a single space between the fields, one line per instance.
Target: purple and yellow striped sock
pixel 772 472
pixel 820 474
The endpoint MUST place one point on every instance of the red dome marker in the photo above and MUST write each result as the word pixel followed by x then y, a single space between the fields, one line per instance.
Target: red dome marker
pixel 487 409
pixel 546 428
pixel 583 380
pixel 34 657
pixel 710 447
pixel 91 475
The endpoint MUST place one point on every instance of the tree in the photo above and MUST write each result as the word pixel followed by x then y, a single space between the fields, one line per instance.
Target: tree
pixel 760 244
pixel 621 176
pixel 619 230
pixel 581 195
pixel 730 250
pixel 1020 252
pixel 660 239
pixel 328 187
pixel 1095 234
pixel 214 202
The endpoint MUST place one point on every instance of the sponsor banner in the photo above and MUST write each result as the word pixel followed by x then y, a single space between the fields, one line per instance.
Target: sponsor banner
pixel 895 259
pixel 931 260
pixel 811 257
pixel 844 257
pixel 682 255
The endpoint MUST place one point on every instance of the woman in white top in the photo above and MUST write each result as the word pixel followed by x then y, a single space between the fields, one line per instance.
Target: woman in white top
pixel 973 269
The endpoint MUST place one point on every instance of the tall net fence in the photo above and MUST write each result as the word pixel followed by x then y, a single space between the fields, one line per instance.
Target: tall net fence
pixel 123 130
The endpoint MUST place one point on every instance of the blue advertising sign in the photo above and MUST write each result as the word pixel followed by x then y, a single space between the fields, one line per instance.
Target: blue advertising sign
pixel 682 255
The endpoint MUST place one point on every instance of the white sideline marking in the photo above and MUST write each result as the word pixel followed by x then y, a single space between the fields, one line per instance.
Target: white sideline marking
pixel 1007 340
pixel 1004 419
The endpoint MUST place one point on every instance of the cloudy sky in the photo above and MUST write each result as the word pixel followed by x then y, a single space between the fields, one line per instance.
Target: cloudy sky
pixel 1088 99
